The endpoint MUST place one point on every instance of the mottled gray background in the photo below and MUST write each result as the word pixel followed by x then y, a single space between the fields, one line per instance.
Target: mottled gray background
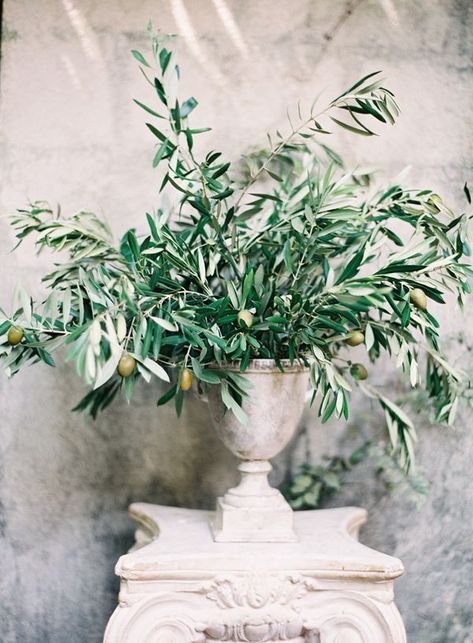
pixel 71 134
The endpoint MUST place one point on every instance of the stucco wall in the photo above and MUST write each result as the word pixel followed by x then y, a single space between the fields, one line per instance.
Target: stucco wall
pixel 71 134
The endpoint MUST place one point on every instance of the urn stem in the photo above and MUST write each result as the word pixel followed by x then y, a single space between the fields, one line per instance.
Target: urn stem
pixel 254 489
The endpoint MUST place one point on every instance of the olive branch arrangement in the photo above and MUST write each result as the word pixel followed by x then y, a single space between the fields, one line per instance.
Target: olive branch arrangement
pixel 284 255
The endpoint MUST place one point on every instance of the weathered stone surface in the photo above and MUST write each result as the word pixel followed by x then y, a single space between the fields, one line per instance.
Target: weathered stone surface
pixel 325 587
pixel 70 133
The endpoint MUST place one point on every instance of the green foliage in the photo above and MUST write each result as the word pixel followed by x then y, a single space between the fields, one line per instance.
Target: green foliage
pixel 310 250
pixel 313 484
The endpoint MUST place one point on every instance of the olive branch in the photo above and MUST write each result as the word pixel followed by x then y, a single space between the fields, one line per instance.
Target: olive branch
pixel 284 255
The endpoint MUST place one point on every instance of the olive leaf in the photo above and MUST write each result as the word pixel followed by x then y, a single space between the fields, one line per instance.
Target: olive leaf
pixel 285 237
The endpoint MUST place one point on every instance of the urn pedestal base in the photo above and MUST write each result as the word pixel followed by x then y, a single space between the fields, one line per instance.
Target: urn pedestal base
pixel 272 524
pixel 182 587
pixel 253 512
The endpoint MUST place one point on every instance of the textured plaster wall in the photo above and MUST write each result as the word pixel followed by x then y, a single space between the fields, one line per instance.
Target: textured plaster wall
pixel 71 134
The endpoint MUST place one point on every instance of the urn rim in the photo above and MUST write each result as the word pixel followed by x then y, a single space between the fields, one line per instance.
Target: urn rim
pixel 264 366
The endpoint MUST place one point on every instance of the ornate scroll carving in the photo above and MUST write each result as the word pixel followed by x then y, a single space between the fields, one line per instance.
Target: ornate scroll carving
pixel 256 632
pixel 257 591
pixel 164 618
pixel 246 609
pixel 339 592
pixel 174 630
pixel 352 617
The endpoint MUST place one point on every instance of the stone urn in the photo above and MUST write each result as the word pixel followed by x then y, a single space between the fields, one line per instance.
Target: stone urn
pixel 254 511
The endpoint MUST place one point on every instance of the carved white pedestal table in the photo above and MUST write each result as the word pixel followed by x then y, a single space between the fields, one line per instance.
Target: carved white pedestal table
pixel 179 586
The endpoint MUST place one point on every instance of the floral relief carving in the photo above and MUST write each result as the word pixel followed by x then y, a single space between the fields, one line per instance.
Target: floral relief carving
pixel 256 632
pixel 289 604
pixel 265 609
pixel 251 609
pixel 256 591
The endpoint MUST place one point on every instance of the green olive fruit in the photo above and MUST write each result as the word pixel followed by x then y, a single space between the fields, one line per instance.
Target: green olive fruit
pixel 15 335
pixel 186 380
pixel 419 298
pixel 126 365
pixel 359 372
pixel 245 318
pixel 355 338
